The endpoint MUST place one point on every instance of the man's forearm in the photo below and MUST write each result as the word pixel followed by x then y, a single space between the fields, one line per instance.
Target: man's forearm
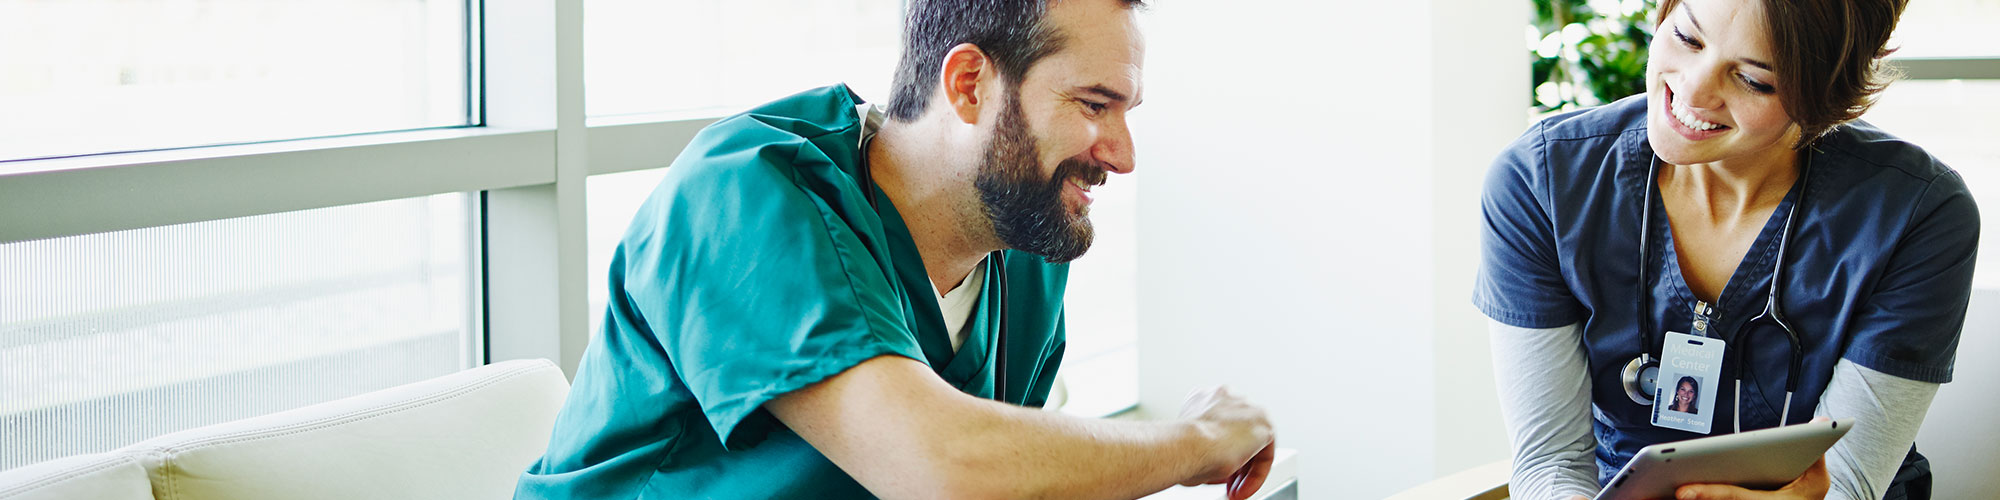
pixel 1012 452
pixel 903 433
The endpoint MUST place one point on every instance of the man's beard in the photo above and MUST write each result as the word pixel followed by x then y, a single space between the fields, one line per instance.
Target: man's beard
pixel 1027 211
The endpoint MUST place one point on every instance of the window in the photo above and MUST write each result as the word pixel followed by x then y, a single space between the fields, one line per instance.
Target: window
pixel 1947 28
pixel 649 56
pixel 95 76
pixel 614 198
pixel 111 338
pixel 213 209
pixel 184 240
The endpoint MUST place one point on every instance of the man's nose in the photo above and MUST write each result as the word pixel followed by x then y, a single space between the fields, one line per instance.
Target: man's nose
pixel 1114 146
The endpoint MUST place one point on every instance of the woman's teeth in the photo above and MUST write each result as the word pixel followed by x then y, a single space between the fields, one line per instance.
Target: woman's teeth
pixel 1688 118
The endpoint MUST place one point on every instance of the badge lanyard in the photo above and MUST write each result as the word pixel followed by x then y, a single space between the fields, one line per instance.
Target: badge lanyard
pixel 1641 375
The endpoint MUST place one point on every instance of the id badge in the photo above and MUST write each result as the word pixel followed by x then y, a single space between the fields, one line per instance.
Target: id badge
pixel 1684 398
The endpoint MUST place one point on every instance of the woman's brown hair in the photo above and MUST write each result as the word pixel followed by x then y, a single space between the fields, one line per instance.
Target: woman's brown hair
pixel 1828 57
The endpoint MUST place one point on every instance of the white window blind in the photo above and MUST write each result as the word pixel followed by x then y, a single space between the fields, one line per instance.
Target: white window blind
pixel 109 339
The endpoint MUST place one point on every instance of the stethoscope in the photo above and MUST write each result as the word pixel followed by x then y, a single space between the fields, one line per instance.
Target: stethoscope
pixel 867 183
pixel 1641 374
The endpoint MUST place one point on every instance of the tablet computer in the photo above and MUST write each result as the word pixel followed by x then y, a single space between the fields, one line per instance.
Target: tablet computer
pixel 1760 460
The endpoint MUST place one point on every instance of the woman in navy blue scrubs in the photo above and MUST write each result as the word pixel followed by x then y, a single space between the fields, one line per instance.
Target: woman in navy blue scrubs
pixel 1740 200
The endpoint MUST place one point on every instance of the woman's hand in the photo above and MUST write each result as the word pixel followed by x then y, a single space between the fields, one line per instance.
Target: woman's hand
pixel 1811 485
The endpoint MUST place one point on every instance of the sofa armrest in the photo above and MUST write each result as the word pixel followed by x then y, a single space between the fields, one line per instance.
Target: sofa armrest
pixel 98 476
pixel 462 436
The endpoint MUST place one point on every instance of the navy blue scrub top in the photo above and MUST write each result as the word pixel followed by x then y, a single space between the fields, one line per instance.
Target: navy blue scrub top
pixel 1878 272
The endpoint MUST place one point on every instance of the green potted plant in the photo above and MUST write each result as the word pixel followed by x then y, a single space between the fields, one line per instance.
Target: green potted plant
pixel 1588 52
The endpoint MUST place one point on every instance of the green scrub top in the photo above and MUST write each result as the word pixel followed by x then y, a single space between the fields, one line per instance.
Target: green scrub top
pixel 756 268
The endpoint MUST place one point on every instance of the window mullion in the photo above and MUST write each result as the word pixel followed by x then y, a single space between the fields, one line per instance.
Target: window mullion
pixel 534 241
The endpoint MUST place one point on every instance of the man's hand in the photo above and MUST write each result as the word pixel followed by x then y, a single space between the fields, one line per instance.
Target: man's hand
pixel 1247 480
pixel 1811 485
pixel 1240 443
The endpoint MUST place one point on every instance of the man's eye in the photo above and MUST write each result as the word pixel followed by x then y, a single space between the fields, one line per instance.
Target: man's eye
pixel 1094 107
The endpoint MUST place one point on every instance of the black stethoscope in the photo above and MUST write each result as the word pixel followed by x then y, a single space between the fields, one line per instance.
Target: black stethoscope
pixel 867 183
pixel 1641 374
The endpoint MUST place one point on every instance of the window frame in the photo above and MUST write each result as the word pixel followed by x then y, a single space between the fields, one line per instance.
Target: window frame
pixel 1948 68
pixel 523 156
pixel 526 157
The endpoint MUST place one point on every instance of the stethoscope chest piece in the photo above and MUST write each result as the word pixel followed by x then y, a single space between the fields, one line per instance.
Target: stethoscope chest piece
pixel 1641 377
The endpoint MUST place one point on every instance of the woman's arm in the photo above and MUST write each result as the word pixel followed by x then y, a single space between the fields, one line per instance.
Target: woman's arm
pixel 1888 410
pixel 1544 384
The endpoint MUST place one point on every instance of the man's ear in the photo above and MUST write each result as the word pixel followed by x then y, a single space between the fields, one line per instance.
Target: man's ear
pixel 967 80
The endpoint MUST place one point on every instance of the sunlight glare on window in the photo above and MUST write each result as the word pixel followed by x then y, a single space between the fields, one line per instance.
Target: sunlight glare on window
pixel 1948 28
pixel 95 76
pixel 643 56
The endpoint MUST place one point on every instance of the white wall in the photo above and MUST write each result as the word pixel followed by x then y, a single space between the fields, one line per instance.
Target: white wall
pixel 1307 223
pixel 1480 75
pixel 1959 433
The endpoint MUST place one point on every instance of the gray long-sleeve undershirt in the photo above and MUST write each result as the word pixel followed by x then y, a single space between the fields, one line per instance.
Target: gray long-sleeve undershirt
pixel 1542 375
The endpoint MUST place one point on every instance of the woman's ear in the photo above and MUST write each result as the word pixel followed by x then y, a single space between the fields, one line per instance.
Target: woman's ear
pixel 966 78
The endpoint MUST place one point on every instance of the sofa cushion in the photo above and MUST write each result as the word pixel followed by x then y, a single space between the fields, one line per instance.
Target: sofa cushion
pixel 95 476
pixel 462 436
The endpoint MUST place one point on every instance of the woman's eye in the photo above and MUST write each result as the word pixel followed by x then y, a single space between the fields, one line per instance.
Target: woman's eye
pixel 1757 86
pixel 1690 42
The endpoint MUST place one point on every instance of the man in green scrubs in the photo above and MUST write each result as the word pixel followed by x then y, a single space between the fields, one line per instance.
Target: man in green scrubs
pixel 777 325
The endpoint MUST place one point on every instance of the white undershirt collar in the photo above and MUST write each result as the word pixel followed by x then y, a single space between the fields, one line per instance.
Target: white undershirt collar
pixel 957 306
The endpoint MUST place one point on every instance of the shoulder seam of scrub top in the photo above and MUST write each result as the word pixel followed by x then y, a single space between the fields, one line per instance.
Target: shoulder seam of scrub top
pixel 1602 135
pixel 1920 209
pixel 1546 198
pixel 1535 183
pixel 1911 216
pixel 853 289
pixel 1563 123
pixel 1836 146
pixel 817 371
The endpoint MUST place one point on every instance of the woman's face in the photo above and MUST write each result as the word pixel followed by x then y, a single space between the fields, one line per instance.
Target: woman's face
pixel 1710 92
pixel 1684 395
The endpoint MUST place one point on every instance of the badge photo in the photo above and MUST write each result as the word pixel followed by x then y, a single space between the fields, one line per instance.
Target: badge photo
pixel 1684 398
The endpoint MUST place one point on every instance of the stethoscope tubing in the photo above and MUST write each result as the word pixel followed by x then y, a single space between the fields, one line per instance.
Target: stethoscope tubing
pixel 1773 311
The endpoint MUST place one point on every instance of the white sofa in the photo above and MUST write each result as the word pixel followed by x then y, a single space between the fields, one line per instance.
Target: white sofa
pixel 462 436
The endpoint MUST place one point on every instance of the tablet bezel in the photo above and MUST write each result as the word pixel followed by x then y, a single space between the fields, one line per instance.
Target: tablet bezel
pixel 1761 459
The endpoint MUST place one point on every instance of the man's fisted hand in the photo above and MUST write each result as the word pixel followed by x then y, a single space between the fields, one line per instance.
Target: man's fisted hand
pixel 1239 440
